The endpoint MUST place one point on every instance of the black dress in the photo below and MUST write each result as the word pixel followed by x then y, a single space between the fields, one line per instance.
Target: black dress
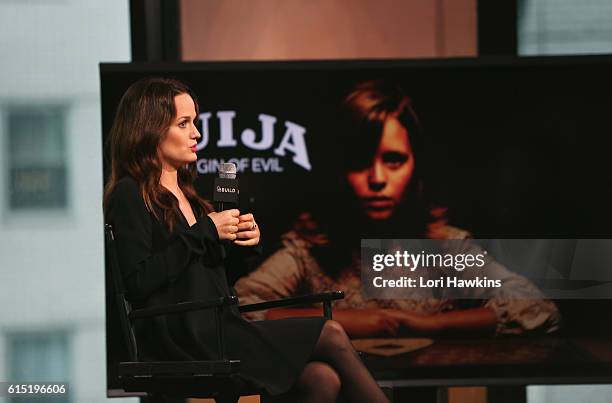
pixel 162 267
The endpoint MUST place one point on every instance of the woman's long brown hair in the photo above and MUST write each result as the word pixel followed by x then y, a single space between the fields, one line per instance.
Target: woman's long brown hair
pixel 145 113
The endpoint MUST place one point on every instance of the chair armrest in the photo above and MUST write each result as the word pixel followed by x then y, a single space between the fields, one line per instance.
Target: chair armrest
pixel 183 307
pixel 300 300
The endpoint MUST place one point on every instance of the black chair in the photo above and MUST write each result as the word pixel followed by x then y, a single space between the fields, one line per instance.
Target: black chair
pixel 160 380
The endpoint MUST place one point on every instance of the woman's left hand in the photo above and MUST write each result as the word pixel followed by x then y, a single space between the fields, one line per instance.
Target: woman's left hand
pixel 412 321
pixel 473 319
pixel 248 231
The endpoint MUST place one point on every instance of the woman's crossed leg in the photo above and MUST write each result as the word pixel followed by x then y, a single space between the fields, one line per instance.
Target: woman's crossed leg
pixel 336 373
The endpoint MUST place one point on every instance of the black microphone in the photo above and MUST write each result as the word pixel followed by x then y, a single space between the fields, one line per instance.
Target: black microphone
pixel 227 188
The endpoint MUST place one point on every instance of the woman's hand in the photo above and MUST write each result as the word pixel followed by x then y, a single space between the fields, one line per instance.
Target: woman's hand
pixel 227 223
pixel 375 322
pixel 248 232
pixel 482 320
pixel 358 323
pixel 415 322
pixel 390 322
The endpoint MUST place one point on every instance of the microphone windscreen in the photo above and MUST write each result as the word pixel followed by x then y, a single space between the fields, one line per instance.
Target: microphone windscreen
pixel 227 170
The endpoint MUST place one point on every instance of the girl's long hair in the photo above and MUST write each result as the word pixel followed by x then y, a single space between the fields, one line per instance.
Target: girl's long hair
pixel 144 115
pixel 359 124
pixel 362 117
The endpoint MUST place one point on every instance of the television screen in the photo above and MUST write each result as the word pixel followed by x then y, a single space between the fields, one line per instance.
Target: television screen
pixel 340 160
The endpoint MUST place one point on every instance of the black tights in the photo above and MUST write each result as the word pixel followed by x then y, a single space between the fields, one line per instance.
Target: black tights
pixel 335 374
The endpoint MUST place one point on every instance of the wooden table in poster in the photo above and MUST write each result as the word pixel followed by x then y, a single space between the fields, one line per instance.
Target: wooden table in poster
pixel 495 361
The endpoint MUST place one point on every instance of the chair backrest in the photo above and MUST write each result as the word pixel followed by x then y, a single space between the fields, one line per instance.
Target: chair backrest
pixel 116 293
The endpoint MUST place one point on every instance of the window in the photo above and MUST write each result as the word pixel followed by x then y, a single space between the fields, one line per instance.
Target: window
pixel 38 357
pixel 36 156
pixel 564 27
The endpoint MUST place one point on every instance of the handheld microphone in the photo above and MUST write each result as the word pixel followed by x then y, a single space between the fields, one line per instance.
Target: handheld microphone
pixel 227 188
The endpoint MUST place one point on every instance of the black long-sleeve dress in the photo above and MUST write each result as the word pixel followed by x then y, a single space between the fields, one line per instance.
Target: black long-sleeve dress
pixel 163 267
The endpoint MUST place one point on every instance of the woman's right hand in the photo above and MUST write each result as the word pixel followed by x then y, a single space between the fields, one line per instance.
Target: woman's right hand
pixel 379 323
pixel 416 322
pixel 226 223
pixel 368 322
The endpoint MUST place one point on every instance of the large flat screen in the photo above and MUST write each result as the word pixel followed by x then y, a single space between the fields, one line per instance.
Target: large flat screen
pixel 329 153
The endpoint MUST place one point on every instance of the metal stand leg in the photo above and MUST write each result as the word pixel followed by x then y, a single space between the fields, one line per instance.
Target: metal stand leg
pixel 507 394
pixel 412 394
pixel 162 399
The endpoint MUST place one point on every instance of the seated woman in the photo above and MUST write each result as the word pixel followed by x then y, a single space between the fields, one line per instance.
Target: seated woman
pixel 384 198
pixel 171 247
